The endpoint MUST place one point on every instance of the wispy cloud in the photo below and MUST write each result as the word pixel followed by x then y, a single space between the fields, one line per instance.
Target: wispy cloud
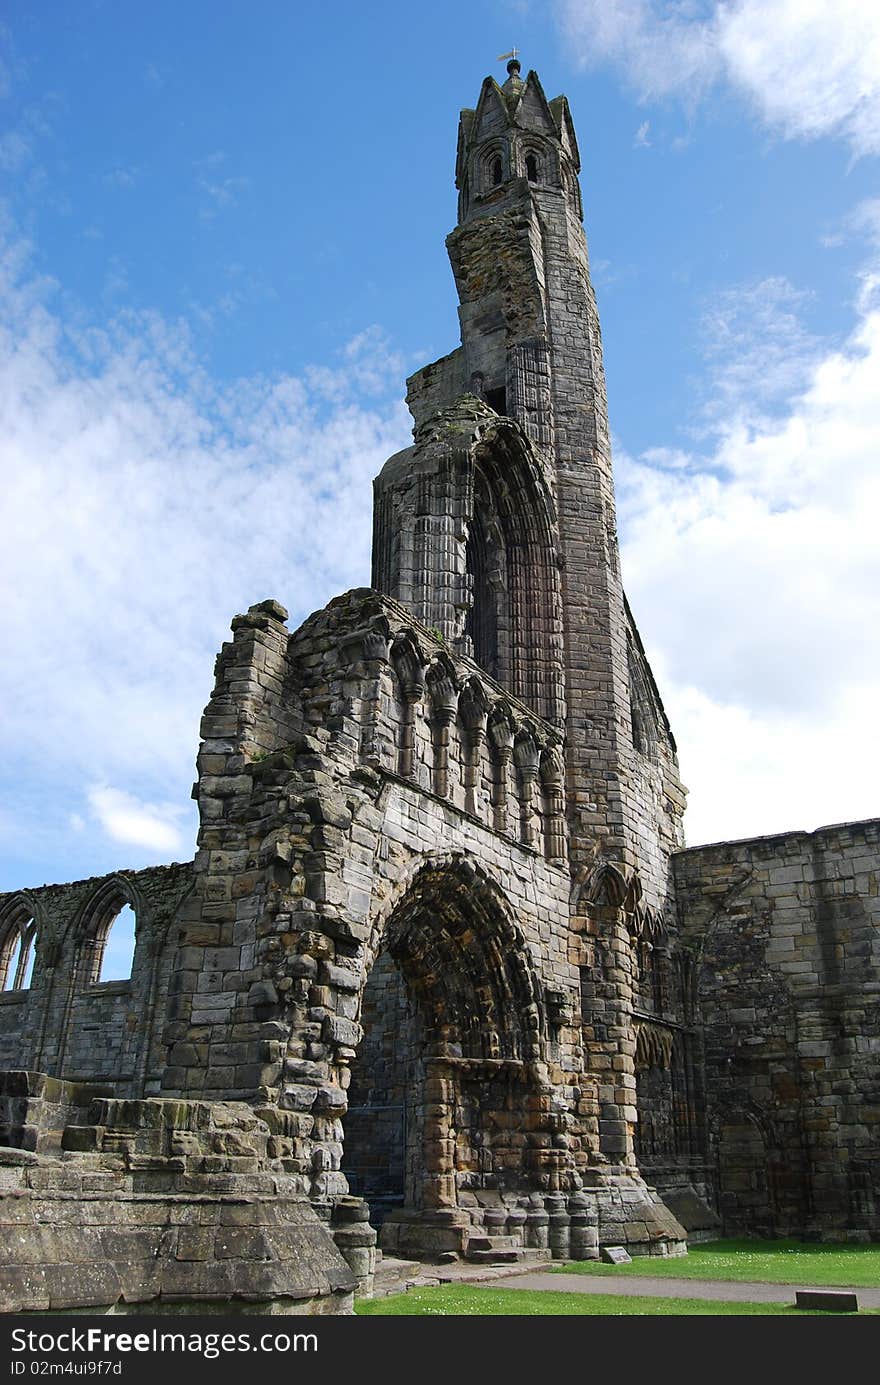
pixel 640 140
pixel 757 347
pixel 217 192
pixel 144 507
pixel 124 818
pixel 808 67
pixel 754 571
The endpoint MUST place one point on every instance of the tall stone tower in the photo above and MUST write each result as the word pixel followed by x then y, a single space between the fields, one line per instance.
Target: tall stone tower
pixel 419 978
pixel 498 527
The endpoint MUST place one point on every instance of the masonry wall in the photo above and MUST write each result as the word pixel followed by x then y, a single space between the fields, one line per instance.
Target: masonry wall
pixel 70 1027
pixel 785 934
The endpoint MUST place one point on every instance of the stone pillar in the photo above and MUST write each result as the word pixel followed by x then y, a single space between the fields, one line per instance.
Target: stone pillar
pixel 537 1223
pixel 560 1226
pixel 552 770
pixel 409 666
pixel 443 694
pixel 438 1182
pixel 355 1239
pixel 525 756
pixel 501 733
pixel 473 710
pixel 584 1227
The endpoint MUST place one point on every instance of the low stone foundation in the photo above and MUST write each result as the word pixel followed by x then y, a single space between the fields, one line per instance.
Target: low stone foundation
pixel 163 1206
pixel 562 1226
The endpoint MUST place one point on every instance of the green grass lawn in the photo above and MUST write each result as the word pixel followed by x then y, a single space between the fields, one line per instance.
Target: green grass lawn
pixel 774 1262
pixel 466 1300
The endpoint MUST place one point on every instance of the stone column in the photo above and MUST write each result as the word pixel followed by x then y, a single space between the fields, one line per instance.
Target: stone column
pixel 501 733
pixel 409 666
pixel 525 757
pixel 473 710
pixel 443 694
pixel 552 770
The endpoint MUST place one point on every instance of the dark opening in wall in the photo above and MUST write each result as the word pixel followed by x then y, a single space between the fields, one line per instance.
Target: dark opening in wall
pixel 481 622
pixel 385 1095
pixel 532 168
pixel 496 171
pixel 497 400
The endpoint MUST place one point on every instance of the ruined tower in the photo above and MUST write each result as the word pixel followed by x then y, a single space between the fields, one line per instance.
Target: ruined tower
pixel 498 529
pixel 440 968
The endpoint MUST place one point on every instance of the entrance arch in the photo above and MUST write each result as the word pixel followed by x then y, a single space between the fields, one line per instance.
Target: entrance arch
pixel 445 1084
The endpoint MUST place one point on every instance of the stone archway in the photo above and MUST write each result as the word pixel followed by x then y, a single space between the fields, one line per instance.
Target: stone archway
pixel 746 1194
pixel 445 1084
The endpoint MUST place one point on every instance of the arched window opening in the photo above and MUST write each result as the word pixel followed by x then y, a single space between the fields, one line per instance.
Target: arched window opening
pixel 481 621
pixel 114 960
pixel 642 716
pixel 17 957
pixel 496 171
pixel 531 168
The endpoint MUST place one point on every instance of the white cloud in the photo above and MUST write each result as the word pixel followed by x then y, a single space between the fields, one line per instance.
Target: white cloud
pixel 754 573
pixel 149 825
pixel 809 67
pixel 144 506
pixel 757 347
pixel 641 140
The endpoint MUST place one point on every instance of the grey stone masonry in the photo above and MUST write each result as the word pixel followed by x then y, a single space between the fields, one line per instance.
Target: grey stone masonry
pixel 68 1020
pixel 785 936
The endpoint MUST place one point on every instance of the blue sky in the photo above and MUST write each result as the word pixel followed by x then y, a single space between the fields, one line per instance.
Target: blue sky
pixel 222 251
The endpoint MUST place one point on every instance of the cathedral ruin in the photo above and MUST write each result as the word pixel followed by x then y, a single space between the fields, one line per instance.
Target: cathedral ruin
pixel 442 971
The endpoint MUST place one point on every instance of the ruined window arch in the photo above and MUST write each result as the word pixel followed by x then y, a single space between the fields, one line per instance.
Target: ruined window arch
pixel 532 167
pixel 485 563
pixel 117 955
pixel 643 718
pixel 18 944
pixel 512 622
pixel 108 937
pixel 491 168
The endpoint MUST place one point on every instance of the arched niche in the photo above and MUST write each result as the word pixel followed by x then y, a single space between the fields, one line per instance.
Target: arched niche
pixel 452 1026
pixel 513 611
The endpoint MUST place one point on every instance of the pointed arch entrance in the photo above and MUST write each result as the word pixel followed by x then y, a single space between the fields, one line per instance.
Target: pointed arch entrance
pixel 446 1080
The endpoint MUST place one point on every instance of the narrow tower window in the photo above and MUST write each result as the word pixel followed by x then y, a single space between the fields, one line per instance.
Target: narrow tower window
pixel 531 168
pixel 496 172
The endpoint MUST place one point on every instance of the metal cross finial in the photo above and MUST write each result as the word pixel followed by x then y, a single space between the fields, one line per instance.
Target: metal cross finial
pixel 512 54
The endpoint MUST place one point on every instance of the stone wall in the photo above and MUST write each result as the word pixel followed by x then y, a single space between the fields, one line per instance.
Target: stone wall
pixel 785 935
pixel 67 1024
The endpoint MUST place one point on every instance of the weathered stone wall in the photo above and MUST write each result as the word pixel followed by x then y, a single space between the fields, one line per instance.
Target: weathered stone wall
pixel 67 1025
pixel 355 800
pixel 785 933
pixel 130 1206
pixel 385 1096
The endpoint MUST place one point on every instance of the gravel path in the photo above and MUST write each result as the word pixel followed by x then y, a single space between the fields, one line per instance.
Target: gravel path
pixel 731 1291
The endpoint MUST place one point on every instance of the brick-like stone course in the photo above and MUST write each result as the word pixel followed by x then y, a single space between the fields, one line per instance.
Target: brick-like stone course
pixel 785 932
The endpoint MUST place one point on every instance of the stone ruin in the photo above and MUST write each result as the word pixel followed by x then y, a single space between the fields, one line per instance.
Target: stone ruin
pixel 442 970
